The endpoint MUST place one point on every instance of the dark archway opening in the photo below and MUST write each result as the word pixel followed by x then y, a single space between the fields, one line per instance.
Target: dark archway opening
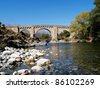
pixel 24 37
pixel 25 33
pixel 63 35
pixel 43 35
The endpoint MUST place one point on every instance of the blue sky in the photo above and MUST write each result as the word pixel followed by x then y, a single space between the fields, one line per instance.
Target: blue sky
pixel 35 12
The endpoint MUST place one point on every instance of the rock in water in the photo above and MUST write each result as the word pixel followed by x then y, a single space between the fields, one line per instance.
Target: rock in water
pixel 37 68
pixel 43 62
pixel 29 60
pixel 22 72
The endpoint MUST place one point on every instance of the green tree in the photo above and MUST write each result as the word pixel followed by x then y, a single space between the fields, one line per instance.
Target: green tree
pixel 80 25
pixel 0 24
pixel 45 37
pixel 10 38
pixel 63 35
pixel 95 22
pixel 3 26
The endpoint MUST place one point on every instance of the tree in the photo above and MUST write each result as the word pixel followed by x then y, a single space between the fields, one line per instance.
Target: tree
pixel 80 25
pixel 3 26
pixel 63 35
pixel 0 24
pixel 45 37
pixel 95 21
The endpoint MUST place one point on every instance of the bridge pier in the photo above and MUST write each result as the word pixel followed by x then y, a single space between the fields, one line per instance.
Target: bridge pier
pixel 32 32
pixel 54 35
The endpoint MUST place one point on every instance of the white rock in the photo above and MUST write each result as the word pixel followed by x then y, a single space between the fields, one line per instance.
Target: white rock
pixel 32 63
pixel 29 59
pixel 39 54
pixel 11 60
pixel 15 55
pixel 43 62
pixel 18 59
pixel 22 72
pixel 37 68
pixel 2 73
pixel 27 54
pixel 6 52
pixel 22 56
pixel 6 48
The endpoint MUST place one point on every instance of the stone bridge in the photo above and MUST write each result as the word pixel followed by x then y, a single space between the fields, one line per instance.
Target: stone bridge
pixel 53 29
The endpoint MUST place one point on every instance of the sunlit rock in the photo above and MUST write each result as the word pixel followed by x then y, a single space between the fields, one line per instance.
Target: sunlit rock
pixel 15 55
pixel 37 68
pixel 2 73
pixel 6 53
pixel 11 60
pixel 30 59
pixel 22 72
pixel 43 62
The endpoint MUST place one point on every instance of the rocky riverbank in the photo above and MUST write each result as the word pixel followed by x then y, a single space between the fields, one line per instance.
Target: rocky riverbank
pixel 11 59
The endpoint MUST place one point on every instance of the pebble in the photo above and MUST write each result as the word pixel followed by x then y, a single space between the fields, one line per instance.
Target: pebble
pixel 11 57
pixel 37 68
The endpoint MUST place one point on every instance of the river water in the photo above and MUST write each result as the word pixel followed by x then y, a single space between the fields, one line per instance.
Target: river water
pixel 74 58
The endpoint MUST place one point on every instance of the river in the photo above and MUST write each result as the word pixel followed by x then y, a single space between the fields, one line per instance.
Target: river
pixel 74 58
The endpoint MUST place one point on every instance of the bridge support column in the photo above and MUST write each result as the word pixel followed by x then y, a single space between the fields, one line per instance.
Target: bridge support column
pixel 54 35
pixel 31 30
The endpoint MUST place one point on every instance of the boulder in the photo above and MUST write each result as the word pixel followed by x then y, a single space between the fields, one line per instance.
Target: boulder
pixel 29 59
pixel 2 73
pixel 22 72
pixel 31 63
pixel 43 62
pixel 37 68
pixel 11 60
pixel 39 54
pixel 18 59
pixel 15 55
pixel 7 52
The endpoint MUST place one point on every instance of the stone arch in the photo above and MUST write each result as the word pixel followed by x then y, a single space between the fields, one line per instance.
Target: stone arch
pixel 28 29
pixel 40 29
pixel 36 30
pixel 64 31
pixel 25 31
pixel 52 30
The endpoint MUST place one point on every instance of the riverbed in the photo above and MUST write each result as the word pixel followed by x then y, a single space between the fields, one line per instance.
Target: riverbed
pixel 72 58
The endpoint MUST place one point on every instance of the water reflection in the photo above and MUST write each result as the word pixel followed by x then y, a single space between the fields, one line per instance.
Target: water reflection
pixel 54 51
pixel 87 58
pixel 76 58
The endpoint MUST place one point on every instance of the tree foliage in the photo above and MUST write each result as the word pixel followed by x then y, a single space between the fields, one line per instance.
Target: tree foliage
pixel 95 21
pixel 10 38
pixel 44 37
pixel 80 25
pixel 63 35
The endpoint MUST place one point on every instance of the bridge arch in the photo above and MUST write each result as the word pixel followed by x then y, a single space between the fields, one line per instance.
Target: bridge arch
pixel 39 29
pixel 43 34
pixel 25 31
pixel 53 31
